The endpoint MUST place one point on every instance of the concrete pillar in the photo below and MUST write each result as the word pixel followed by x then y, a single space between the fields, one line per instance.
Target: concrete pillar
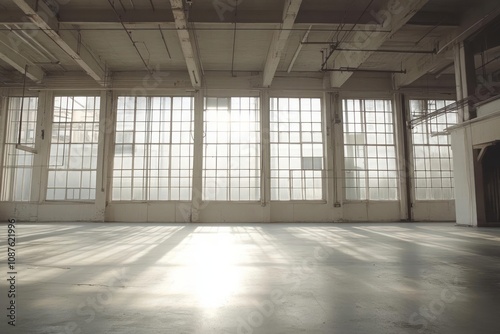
pixel 265 177
pixel 335 158
pixel 196 204
pixel 105 153
pixel 465 77
pixel 328 124
pixel 465 183
pixel 404 156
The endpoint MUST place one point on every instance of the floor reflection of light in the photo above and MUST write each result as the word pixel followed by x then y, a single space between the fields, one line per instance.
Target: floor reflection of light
pixel 215 274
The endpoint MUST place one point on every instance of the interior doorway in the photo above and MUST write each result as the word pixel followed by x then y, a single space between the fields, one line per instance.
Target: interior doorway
pixel 491 183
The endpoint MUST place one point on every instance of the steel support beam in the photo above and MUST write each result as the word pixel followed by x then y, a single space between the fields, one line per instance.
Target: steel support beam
pixel 44 18
pixel 392 18
pixel 279 41
pixel 11 57
pixel 181 23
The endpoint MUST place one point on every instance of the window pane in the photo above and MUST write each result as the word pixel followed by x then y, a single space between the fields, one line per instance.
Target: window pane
pixel 432 155
pixel 18 164
pixel 370 173
pixel 73 150
pixel 297 145
pixel 231 150
pixel 157 162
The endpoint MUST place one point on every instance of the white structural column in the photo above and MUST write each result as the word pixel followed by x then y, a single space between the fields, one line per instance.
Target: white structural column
pixel 335 154
pixel 465 77
pixel 279 41
pixel 44 18
pixel 9 55
pixel 192 213
pixel 391 17
pixel 185 39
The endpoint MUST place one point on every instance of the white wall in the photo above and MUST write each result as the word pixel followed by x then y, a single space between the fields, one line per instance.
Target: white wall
pixel 465 137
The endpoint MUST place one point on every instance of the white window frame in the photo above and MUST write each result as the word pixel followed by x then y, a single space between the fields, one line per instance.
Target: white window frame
pixel 227 183
pixel 361 128
pixel 150 174
pixel 91 160
pixel 442 143
pixel 275 141
pixel 25 149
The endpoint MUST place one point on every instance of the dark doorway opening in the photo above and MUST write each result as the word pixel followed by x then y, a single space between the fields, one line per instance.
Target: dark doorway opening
pixel 491 179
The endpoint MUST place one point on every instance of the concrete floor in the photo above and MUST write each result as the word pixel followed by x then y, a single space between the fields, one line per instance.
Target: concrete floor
pixel 279 278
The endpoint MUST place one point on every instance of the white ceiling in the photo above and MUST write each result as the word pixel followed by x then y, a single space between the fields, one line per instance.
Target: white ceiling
pixel 239 40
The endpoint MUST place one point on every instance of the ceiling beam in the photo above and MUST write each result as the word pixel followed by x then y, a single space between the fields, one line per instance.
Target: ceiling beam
pixel 392 19
pixel 43 17
pixel 11 57
pixel 88 17
pixel 418 65
pixel 181 24
pixel 279 40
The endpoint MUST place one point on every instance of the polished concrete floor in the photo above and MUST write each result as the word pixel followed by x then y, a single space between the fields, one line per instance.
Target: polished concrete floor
pixel 277 278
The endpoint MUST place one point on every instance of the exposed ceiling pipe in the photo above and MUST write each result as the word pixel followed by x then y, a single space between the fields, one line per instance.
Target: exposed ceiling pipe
pixel 372 50
pixel 130 37
pixel 299 48
pixel 164 41
pixel 389 51
pixel 234 38
pixel 197 47
pixel 357 21
pixel 121 4
pixel 461 37
pixel 351 69
pixel 152 5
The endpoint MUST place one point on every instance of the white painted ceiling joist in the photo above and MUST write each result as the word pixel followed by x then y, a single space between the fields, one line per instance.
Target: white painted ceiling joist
pixel 394 18
pixel 11 57
pixel 45 19
pixel 185 40
pixel 279 41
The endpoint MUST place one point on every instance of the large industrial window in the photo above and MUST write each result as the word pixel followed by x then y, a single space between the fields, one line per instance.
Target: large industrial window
pixel 154 149
pixel 18 164
pixel 297 154
pixel 369 150
pixel 231 157
pixel 73 150
pixel 432 155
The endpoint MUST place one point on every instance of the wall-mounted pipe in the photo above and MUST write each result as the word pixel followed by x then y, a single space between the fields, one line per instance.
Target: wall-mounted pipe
pixel 350 69
pixel 372 50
